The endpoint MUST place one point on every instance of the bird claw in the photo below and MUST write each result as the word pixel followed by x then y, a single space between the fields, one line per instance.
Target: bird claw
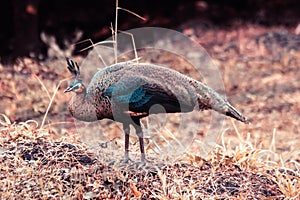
pixel 126 160
pixel 145 160
pixel 141 164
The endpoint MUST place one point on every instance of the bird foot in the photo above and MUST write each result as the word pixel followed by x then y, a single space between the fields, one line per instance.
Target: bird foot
pixel 143 162
pixel 126 160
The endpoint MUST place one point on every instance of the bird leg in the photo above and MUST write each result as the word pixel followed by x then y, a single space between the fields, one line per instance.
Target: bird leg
pixel 126 129
pixel 140 134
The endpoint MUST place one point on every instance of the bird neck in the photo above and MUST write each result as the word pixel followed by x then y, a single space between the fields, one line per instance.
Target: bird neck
pixel 82 107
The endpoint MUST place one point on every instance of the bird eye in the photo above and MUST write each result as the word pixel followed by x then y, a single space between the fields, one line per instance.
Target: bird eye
pixel 76 87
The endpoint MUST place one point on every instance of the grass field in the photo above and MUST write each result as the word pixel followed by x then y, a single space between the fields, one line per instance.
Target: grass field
pixel 260 69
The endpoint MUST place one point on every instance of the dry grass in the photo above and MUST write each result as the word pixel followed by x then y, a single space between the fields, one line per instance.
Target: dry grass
pixel 259 161
pixel 34 166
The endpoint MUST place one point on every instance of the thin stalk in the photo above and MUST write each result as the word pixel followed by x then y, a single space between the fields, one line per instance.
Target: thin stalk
pixel 116 32
pixel 51 101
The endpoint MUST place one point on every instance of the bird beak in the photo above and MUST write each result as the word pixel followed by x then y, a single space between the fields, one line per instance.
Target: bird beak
pixel 69 89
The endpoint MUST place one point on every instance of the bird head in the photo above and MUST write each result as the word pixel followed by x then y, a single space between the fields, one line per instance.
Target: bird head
pixel 77 85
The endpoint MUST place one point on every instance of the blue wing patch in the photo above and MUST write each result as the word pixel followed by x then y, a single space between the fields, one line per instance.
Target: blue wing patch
pixel 123 95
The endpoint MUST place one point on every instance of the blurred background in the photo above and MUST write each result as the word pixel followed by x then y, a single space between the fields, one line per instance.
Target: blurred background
pixel 22 22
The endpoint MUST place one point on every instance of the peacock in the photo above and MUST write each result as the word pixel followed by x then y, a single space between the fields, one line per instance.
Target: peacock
pixel 125 92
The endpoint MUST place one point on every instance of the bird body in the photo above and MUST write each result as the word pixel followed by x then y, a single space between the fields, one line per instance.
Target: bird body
pixel 126 92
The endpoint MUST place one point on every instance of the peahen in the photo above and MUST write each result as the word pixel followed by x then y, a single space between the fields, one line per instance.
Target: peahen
pixel 125 92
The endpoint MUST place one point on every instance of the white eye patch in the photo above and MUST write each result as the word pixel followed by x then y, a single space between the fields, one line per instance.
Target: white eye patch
pixel 77 86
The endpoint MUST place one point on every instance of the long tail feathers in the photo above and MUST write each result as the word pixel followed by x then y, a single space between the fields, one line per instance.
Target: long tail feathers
pixel 209 99
pixel 232 112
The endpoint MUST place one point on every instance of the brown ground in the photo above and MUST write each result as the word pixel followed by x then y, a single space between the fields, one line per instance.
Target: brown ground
pixel 260 70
